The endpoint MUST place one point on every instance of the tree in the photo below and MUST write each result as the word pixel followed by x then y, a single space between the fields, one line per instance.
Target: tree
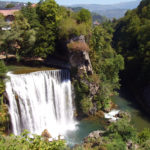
pixel 122 128
pixel 84 15
pixel 10 5
pixel 20 39
pixel 30 14
pixel 106 64
pixel 48 15
pixel 2 32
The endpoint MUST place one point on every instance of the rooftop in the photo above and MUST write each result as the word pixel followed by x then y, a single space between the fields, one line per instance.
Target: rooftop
pixel 8 12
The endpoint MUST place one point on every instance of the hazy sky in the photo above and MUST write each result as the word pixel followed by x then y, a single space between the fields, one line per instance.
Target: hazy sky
pixel 70 2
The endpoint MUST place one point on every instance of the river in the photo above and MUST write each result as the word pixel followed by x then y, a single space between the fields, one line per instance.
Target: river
pixel 124 100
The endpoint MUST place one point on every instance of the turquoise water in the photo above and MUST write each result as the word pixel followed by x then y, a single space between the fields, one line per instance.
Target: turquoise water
pixel 124 101
pixel 127 102
pixel 83 128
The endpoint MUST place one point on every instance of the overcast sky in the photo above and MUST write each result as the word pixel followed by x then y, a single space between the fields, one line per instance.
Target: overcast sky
pixel 70 2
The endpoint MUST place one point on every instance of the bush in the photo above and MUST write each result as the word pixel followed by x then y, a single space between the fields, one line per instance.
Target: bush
pixel 144 136
pixel 86 105
pixel 3 69
pixel 84 15
pixel 78 46
pixel 123 129
pixel 116 145
pixel 69 28
pixel 26 143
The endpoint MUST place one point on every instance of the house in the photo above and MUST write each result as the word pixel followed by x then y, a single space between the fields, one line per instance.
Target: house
pixel 9 14
pixel 96 23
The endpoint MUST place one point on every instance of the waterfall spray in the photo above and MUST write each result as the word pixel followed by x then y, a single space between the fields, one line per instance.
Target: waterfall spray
pixel 41 100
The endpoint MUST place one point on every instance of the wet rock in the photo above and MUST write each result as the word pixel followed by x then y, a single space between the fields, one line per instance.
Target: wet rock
pixel 129 144
pixel 6 99
pixel 93 88
pixel 112 116
pixel 123 114
pixel 96 134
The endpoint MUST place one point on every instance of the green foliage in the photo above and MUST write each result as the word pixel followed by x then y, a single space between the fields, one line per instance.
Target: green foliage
pixel 69 26
pixel 20 38
pixel 26 143
pixel 99 18
pixel 36 30
pixel 131 39
pixel 83 103
pixel 86 105
pixel 84 15
pixel 10 5
pixel 106 63
pixel 30 14
pixel 122 129
pixel 144 135
pixel 46 37
pixel 4 116
pixel 3 69
pixel 2 33
pixel 116 144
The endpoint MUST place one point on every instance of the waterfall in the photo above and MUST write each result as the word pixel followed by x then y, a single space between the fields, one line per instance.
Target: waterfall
pixel 41 100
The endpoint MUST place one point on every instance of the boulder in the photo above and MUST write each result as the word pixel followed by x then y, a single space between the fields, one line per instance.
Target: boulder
pixel 123 114
pixel 46 134
pixel 96 134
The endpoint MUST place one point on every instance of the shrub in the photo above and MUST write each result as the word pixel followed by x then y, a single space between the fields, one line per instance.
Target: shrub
pixel 86 105
pixel 116 144
pixel 144 135
pixel 123 129
pixel 78 46
pixel 26 143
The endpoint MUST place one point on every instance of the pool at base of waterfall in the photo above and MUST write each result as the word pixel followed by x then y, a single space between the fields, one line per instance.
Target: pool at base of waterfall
pixel 83 128
pixel 36 89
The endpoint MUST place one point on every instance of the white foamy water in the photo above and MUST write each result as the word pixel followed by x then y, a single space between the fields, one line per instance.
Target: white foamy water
pixel 41 100
pixel 112 114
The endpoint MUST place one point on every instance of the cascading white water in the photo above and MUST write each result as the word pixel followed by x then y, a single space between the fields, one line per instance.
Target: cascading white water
pixel 41 100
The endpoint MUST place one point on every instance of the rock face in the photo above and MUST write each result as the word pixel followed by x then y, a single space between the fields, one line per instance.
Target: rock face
pixel 82 74
pixel 80 58
pixel 81 61
pixel 95 134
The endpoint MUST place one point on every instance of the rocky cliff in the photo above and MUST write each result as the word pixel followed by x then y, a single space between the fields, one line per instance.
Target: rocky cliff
pixel 82 72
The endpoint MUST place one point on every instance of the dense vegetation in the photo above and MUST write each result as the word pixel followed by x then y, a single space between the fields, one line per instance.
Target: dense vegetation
pixel 106 64
pixel 38 32
pixel 132 40
pixel 4 117
pixel 27 143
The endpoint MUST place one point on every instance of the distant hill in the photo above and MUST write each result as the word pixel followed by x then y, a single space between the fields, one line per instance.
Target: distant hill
pixel 18 5
pixel 110 11
pixel 95 16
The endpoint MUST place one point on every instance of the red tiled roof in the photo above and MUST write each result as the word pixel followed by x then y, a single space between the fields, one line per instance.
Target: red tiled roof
pixel 33 5
pixel 8 12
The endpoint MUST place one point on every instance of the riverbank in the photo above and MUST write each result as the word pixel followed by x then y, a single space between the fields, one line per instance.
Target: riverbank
pixel 126 102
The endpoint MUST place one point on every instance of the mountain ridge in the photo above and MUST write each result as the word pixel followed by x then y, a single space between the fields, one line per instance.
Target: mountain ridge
pixel 111 10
